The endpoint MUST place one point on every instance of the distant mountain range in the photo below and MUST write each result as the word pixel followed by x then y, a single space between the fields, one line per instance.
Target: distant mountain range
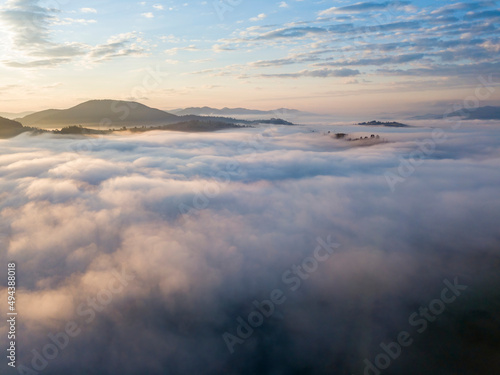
pixel 209 111
pixel 105 116
pixel 12 116
pixel 116 113
pixel 481 113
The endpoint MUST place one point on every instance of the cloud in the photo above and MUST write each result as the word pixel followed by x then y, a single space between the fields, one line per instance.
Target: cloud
pixel 318 73
pixel 365 7
pixel 88 10
pixel 29 25
pixel 260 17
pixel 70 21
pixel 298 32
pixel 457 7
pixel 37 63
pixel 436 36
pixel 448 70
pixel 401 59
pixel 483 14
pixel 292 32
pixel 277 62
pixel 175 50
pixel 116 46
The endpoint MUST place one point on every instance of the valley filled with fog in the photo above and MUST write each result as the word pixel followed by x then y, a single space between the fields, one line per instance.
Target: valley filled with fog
pixel 199 226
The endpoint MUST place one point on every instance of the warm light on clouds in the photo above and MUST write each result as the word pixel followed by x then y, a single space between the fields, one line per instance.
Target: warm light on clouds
pixel 172 236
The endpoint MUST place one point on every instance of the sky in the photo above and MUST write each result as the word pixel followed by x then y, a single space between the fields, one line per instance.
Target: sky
pixel 332 57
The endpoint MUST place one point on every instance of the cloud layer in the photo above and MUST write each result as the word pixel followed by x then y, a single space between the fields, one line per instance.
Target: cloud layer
pixel 30 27
pixel 203 225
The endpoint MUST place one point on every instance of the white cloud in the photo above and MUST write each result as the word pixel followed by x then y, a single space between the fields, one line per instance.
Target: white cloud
pixel 33 47
pixel 88 10
pixel 70 21
pixel 175 50
pixel 260 17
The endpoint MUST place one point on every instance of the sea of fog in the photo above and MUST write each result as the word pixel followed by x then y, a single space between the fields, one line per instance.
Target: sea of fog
pixel 266 250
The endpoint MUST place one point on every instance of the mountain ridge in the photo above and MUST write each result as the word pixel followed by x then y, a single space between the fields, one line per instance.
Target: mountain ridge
pixel 226 111
pixel 107 114
pixel 480 113
pixel 14 115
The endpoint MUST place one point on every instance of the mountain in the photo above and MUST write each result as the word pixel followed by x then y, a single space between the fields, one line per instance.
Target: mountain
pixel 12 116
pixel 107 113
pixel 209 111
pixel 481 113
pixel 391 124
pixel 10 128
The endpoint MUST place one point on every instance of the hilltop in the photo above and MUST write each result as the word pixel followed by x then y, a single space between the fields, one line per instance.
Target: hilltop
pixel 392 124
pixel 11 128
pixel 102 113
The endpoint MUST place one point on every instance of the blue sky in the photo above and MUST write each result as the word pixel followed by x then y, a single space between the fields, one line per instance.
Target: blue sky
pixel 324 56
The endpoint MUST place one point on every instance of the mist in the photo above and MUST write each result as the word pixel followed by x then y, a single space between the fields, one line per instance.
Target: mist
pixel 145 253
